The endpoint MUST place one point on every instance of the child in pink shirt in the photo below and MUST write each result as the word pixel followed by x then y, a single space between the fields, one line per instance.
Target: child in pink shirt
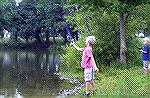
pixel 88 63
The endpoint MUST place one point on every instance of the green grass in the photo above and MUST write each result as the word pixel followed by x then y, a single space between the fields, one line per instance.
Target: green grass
pixel 110 96
pixel 121 83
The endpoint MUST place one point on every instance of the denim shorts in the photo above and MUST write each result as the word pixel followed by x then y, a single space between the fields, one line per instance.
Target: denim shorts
pixel 88 74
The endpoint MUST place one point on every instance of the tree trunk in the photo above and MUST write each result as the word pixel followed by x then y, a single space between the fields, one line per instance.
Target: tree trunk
pixel 88 24
pixel 37 35
pixel 54 31
pixel 123 17
pixel 47 36
pixel 27 37
pixel 16 36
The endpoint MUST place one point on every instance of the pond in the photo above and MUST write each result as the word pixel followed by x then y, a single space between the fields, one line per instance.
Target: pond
pixel 31 74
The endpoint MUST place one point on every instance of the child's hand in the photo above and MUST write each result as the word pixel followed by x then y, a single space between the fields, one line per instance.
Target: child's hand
pixel 96 69
pixel 141 50
pixel 71 44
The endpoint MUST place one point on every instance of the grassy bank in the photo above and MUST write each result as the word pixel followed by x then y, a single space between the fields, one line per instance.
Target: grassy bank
pixel 118 82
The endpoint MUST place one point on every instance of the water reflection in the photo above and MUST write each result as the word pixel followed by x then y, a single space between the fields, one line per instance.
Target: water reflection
pixel 30 73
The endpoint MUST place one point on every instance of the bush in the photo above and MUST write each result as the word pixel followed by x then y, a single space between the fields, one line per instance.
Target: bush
pixel 72 57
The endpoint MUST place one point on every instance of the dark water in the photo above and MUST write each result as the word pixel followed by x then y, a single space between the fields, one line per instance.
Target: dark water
pixel 31 74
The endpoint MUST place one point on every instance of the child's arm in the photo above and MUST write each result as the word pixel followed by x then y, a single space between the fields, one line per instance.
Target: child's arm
pixel 143 51
pixel 95 67
pixel 79 49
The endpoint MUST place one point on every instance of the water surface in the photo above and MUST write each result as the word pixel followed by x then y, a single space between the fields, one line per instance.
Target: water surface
pixel 31 74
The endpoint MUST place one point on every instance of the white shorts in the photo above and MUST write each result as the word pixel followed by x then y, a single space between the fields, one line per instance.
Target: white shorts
pixel 88 74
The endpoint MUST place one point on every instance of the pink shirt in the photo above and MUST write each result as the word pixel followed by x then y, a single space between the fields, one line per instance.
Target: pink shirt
pixel 87 52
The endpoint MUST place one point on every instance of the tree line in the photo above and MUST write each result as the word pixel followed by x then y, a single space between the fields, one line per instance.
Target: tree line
pixel 34 19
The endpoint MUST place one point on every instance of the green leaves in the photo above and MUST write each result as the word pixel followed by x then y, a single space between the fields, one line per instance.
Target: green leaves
pixel 112 5
pixel 33 20
pixel 104 24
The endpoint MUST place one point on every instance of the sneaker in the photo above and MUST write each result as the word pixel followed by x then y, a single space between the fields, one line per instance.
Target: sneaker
pixel 86 95
pixel 93 92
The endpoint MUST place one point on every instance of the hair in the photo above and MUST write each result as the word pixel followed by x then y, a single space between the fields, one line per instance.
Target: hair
pixel 146 39
pixel 91 40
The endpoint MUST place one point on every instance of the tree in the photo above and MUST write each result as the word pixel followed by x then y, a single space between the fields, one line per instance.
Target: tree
pixel 148 19
pixel 30 20
pixel 1 18
pixel 1 24
pixel 123 8
pixel 12 19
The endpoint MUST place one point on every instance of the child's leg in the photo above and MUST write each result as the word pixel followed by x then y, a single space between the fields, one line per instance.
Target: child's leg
pixel 89 77
pixel 145 66
pixel 92 80
pixel 93 86
pixel 87 87
pixel 145 70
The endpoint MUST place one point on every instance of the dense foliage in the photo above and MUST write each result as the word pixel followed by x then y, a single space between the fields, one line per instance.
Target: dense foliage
pixel 105 26
pixel 124 8
pixel 37 21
